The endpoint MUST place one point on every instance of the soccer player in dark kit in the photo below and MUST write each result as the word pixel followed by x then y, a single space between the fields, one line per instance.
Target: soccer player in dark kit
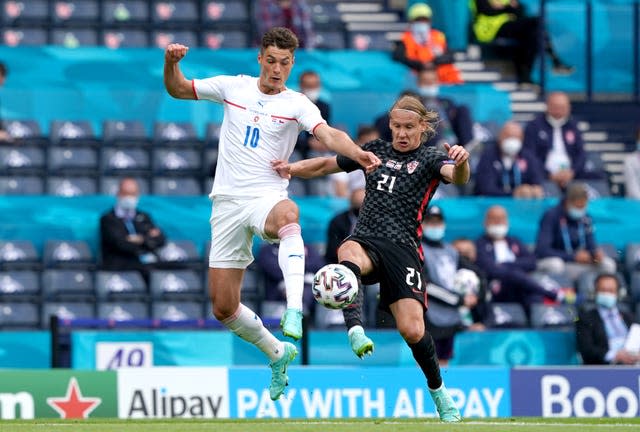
pixel 385 246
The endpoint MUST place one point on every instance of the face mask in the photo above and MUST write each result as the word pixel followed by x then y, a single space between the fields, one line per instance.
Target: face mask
pixel 576 213
pixel 511 146
pixel 429 91
pixel 313 94
pixel 434 233
pixel 497 232
pixel 128 203
pixel 420 31
pixel 557 122
pixel 606 300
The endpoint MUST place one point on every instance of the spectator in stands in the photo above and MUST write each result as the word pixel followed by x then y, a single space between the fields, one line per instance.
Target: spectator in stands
pixel 507 19
pixel 507 169
pixel 311 86
pixel 421 46
pixel 601 331
pixel 555 139
pixel 4 136
pixel 566 243
pixel 129 238
pixel 343 182
pixel 451 307
pixel 455 125
pixel 274 281
pixel 507 262
pixel 292 14
pixel 632 171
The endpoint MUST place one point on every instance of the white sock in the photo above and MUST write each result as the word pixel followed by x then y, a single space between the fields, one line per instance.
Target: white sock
pixel 246 324
pixel 291 260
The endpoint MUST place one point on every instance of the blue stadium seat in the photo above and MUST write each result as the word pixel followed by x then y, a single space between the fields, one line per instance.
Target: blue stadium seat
pixel 446 191
pixel 330 40
pixel 177 311
pixel 224 12
pixel 120 286
pixel 505 315
pixel 19 285
pixel 24 315
pixel 552 316
pixel 69 254
pixel 25 132
pixel 123 160
pixel 17 12
pixel 225 39
pixel 167 161
pixel 125 133
pixel 75 11
pixel 551 189
pixel 24 37
pixel 67 285
pixel 369 41
pixel 71 132
pixel 19 254
pixel 212 134
pixel 125 38
pixel 125 12
pixel 123 311
pixel 22 159
pixel 632 257
pixel 176 11
pixel 634 288
pixel 74 37
pixel 176 285
pixel 21 185
pixel 172 186
pixel 69 186
pixel 598 188
pixel 327 318
pixel 179 253
pixel 108 185
pixel 162 38
pixel 72 160
pixel 175 134
pixel 66 310
pixel 253 283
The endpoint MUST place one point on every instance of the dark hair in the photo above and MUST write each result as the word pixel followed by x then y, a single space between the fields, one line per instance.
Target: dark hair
pixel 576 190
pixel 365 130
pixel 3 69
pixel 601 276
pixel 307 73
pixel 279 37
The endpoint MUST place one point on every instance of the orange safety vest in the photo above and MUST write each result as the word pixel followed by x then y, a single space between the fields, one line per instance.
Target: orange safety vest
pixel 447 73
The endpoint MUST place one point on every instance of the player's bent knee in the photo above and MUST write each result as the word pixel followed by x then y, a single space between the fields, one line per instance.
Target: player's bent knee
pixel 412 332
pixel 223 312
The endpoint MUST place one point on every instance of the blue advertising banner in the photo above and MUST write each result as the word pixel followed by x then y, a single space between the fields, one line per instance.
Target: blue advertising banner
pixel 576 392
pixel 25 349
pixel 334 392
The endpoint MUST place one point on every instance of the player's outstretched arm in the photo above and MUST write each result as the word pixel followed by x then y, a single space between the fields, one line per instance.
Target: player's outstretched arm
pixel 306 168
pixel 174 81
pixel 460 172
pixel 339 142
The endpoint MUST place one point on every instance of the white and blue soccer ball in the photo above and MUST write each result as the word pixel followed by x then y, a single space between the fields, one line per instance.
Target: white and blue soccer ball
pixel 466 282
pixel 334 286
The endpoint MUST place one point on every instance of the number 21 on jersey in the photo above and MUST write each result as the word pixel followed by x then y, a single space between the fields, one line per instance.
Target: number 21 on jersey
pixel 252 137
pixel 386 184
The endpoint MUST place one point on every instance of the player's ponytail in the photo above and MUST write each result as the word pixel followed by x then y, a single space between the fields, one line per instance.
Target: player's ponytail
pixel 413 104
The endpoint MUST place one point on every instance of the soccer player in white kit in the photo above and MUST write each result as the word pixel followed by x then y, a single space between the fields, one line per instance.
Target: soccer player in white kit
pixel 262 120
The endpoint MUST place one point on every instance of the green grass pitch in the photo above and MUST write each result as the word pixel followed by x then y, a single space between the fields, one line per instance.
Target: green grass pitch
pixel 528 424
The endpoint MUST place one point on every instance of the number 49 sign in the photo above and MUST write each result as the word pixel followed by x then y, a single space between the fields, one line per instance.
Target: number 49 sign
pixel 118 355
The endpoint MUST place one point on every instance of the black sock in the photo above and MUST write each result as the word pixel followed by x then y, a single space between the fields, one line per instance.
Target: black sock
pixel 353 313
pixel 425 354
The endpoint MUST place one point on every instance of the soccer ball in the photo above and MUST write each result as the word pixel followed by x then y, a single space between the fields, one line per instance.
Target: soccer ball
pixel 334 286
pixel 466 282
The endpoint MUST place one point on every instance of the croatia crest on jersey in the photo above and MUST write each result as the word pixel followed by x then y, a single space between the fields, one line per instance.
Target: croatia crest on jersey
pixel 411 166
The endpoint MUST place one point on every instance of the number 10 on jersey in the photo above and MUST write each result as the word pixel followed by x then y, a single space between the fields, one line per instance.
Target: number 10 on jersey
pixel 252 137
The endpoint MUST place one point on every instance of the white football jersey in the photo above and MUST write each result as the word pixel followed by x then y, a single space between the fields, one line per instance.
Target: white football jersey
pixel 257 128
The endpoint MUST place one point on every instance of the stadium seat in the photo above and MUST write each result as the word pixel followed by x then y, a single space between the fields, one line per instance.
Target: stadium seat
pixel 125 12
pixel 75 11
pixel 21 185
pixel 594 167
pixel 123 311
pixel 167 161
pixel 19 315
pixel 177 311
pixel 19 285
pixel 176 11
pixel 125 38
pixel 67 285
pixel 551 281
pixel 210 159
pixel 505 315
pixel 74 37
pixel 70 132
pixel 611 251
pixel 176 285
pixel 253 283
pixel 124 133
pixel 162 38
pixel 25 132
pixel 297 187
pixel 330 40
pixel 446 191
pixel 15 12
pixel 224 11
pixel 72 160
pixel 22 159
pixel 66 310
pixel 175 134
pixel 272 309
pixel 123 160
pixel 179 253
pixel 109 185
pixel 634 289
pixel 212 135
pixel 170 186
pixel 69 254
pixel 632 257
pixel 551 189
pixel 328 318
pixel 22 36
pixel 120 286
pixel 225 39
pixel 552 316
pixel 369 41
pixel 324 12
pixel 19 255
pixel 70 186
pixel 598 188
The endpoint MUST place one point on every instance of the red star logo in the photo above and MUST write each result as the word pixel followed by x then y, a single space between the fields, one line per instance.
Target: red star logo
pixel 73 405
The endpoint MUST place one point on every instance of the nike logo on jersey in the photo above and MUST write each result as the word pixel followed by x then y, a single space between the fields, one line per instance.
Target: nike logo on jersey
pixel 296 256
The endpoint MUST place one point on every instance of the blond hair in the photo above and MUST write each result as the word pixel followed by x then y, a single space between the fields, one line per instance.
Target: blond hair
pixel 413 104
